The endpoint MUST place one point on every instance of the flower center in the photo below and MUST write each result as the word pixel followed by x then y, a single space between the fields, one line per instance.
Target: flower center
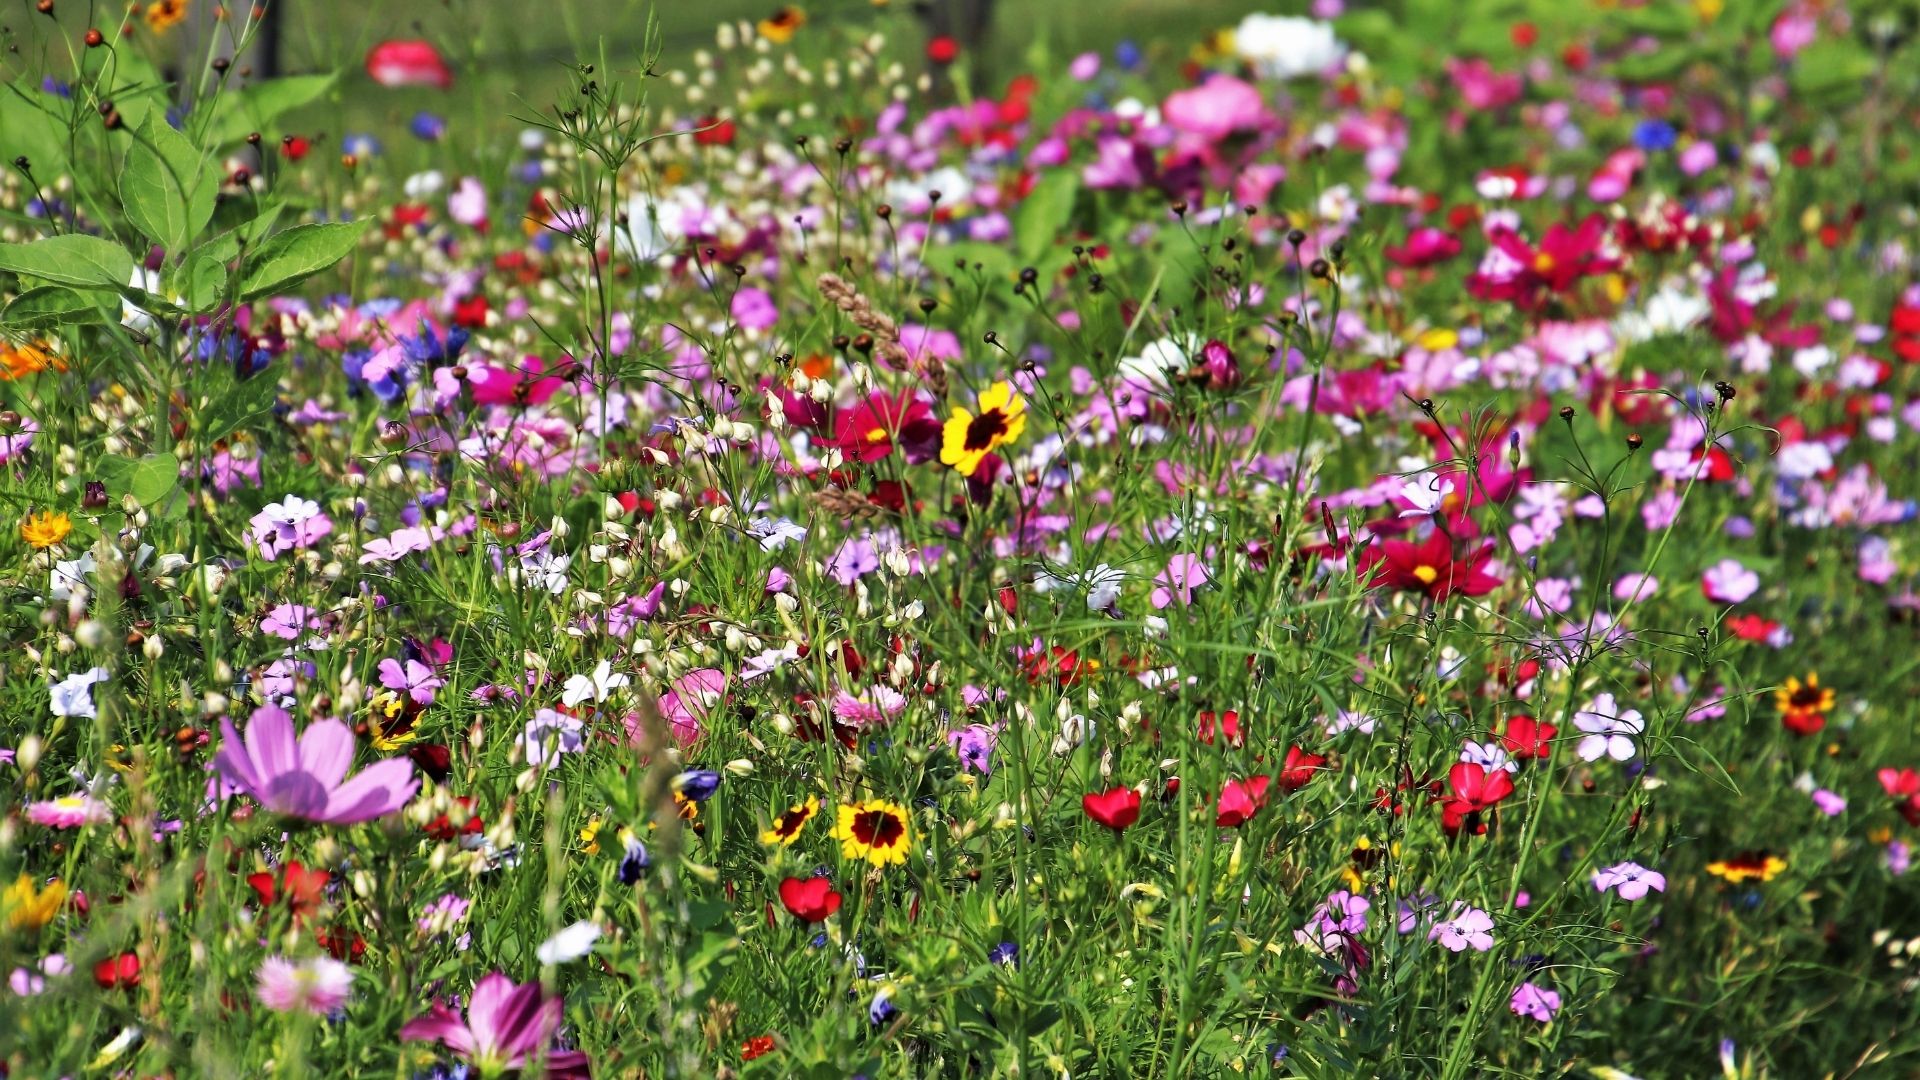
pixel 877 435
pixel 1543 263
pixel 982 430
pixel 1427 574
pixel 878 828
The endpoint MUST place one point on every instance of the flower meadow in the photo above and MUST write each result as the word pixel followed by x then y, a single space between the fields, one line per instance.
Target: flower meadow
pixel 1372 540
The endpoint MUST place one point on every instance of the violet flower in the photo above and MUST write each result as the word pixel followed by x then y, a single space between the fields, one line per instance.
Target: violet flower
pixel 307 778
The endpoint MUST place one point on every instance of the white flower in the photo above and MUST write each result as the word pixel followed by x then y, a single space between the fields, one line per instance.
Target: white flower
pixel 545 570
pixel 139 319
pixel 1489 756
pixel 1285 47
pixel 1427 496
pixel 422 185
pixel 73 695
pixel 70 574
pixel 596 687
pixel 1609 731
pixel 571 943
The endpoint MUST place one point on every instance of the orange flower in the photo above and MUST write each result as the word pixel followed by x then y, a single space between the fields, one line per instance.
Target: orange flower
pixel 1803 707
pixel 20 359
pixel 164 15
pixel 779 27
pixel 46 528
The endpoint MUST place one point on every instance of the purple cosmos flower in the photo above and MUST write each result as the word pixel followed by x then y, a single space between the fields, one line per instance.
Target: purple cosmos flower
pixel 974 745
pixel 1630 880
pixel 292 523
pixel 307 778
pixel 416 678
pixel 506 1026
pixel 1537 1002
pixel 1610 730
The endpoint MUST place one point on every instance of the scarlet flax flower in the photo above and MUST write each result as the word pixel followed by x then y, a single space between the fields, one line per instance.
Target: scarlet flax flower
pixel 811 900
pixel 1117 808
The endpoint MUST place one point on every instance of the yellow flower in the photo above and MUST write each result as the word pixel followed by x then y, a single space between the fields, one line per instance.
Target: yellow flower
pixel 28 908
pixel 393 723
pixel 967 439
pixel 1803 707
pixel 786 828
pixel 45 529
pixel 780 26
pixel 590 836
pixel 874 830
pixel 1748 866
pixel 164 15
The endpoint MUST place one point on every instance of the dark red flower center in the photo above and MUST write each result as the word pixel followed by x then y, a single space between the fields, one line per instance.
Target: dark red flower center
pixel 985 428
pixel 878 828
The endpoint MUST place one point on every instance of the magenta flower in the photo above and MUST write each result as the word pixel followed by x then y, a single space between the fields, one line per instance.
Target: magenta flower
pixel 307 778
pixel 1630 880
pixel 1184 573
pixel 416 678
pixel 318 984
pixel 69 812
pixel 506 1026
pixel 1537 1002
pixel 1728 582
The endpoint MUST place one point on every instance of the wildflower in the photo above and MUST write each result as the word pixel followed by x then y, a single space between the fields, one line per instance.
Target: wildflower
pixel 164 15
pixel 318 984
pixel 117 972
pixel 780 26
pixel 1466 927
pixel 300 889
pixel 308 779
pixel 69 812
pixel 868 431
pixel 27 907
pixel 1903 786
pixel 973 745
pixel 407 63
pixel 966 439
pixel 1534 1001
pixel 1299 768
pixel 20 359
pixel 875 830
pixel 1630 880
pixel 1728 582
pixel 1803 707
pixel 1240 800
pixel 878 706
pixel 45 529
pixel 1526 737
pixel 597 686
pixel 1610 730
pixel 569 944
pixel 1184 574
pixel 811 900
pixel 291 524
pixel 1474 789
pixel 756 1047
pixel 786 827
pixel 506 1026
pixel 1748 866
pixel 696 785
pixel 1427 567
pixel 73 695
pixel 550 735
pixel 416 678
pixel 1117 809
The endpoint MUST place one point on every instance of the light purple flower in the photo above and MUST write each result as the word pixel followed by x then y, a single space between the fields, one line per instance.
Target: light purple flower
pixel 1534 1001
pixel 416 678
pixel 974 745
pixel 1829 803
pixel 1184 573
pixel 307 778
pixel 1729 582
pixel 289 524
pixel 1467 927
pixel 1610 731
pixel 1630 880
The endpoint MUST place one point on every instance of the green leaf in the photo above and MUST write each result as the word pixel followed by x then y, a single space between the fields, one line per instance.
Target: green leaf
pixel 297 254
pixel 229 404
pixel 55 305
pixel 153 477
pixel 72 259
pixel 27 129
pixel 203 281
pixel 167 186
pixel 1832 69
pixel 1045 212
pixel 257 107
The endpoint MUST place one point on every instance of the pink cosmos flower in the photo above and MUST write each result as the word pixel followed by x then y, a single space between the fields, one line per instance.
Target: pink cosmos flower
pixel 290 524
pixel 1728 582
pixel 69 812
pixel 1184 573
pixel 506 1026
pixel 1215 109
pixel 1629 880
pixel 1467 927
pixel 307 778
pixel 1534 1001
pixel 318 984
pixel 872 709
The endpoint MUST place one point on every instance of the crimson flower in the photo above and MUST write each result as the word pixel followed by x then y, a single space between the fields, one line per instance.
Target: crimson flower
pixel 1424 247
pixel 1526 737
pixel 121 971
pixel 1523 273
pixel 1903 786
pixel 1240 800
pixel 869 430
pixel 1229 724
pixel 1297 771
pixel 298 886
pixel 1116 809
pixel 1473 788
pixel 811 899
pixel 1427 567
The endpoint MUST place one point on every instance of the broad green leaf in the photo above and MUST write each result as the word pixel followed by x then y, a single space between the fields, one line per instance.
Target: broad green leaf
pixel 1045 212
pixel 167 186
pixel 204 281
pixel 55 305
pixel 257 107
pixel 1832 69
pixel 71 259
pixel 229 404
pixel 153 477
pixel 296 254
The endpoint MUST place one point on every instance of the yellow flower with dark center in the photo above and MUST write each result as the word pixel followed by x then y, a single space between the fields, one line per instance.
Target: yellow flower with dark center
pixel 786 827
pixel 30 908
pixel 1803 706
pixel 45 529
pixel 392 725
pixel 779 27
pixel 874 830
pixel 1748 866
pixel 967 438
pixel 164 15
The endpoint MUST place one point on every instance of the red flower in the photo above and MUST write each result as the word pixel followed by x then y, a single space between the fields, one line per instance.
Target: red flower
pixel 758 1046
pixel 458 821
pixel 1526 737
pixel 408 63
pixel 121 971
pixel 943 50
pixel 1751 627
pixel 713 131
pixel 1299 768
pixel 1240 800
pixel 1229 724
pixel 300 887
pixel 811 899
pixel 1474 789
pixel 1427 566
pixel 1903 786
pixel 868 431
pixel 1116 809
pixel 471 313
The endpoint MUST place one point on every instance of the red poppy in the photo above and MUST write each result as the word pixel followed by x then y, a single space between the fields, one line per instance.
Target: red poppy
pixel 1299 768
pixel 1240 800
pixel 1427 567
pixel 714 131
pixel 758 1046
pixel 1903 786
pixel 1526 737
pixel 299 887
pixel 811 899
pixel 121 971
pixel 1229 723
pixel 1116 809
pixel 458 821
